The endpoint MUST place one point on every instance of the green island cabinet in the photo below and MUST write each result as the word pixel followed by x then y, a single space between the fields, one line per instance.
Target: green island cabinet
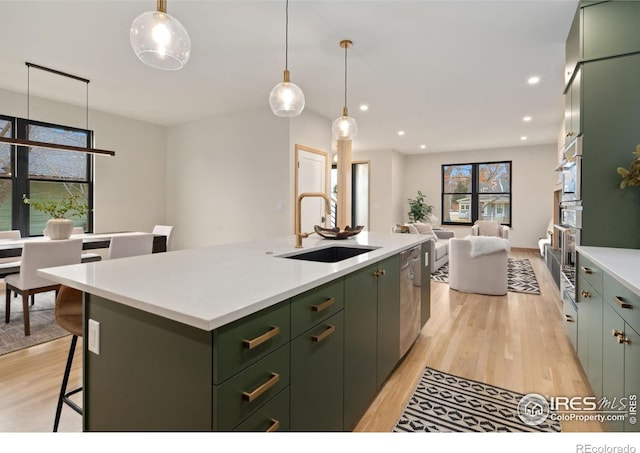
pixel 372 334
pixel 608 340
pixel 312 362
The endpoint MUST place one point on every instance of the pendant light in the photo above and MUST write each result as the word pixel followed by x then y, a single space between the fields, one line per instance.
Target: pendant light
pixel 47 145
pixel 286 99
pixel 159 40
pixel 345 127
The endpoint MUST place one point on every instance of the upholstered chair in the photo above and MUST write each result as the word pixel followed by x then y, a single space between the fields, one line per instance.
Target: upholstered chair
pixel 490 228
pixel 124 245
pixel 484 274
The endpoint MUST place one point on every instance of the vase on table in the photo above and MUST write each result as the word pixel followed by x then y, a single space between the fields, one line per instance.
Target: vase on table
pixel 58 229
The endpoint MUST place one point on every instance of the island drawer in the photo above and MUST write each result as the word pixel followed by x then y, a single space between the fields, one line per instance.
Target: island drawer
pixel 242 343
pixel 316 305
pixel 249 390
pixel 624 301
pixel 590 272
pixel 273 416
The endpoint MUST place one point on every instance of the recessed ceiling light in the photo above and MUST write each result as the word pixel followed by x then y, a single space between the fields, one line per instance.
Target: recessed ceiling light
pixel 400 132
pixel 423 146
pixel 533 80
pixel 523 137
pixel 526 118
pixel 364 107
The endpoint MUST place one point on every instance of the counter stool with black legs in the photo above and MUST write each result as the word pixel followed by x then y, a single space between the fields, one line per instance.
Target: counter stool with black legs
pixel 68 315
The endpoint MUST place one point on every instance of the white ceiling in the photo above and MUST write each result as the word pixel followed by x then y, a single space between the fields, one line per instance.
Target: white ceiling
pixel 452 74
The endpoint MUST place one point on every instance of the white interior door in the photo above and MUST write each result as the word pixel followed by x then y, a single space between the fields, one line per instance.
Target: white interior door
pixel 311 176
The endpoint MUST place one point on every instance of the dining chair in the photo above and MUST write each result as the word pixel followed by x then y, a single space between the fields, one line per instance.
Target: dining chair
pixel 124 245
pixel 165 230
pixel 38 255
pixel 68 315
pixel 86 257
pixel 9 264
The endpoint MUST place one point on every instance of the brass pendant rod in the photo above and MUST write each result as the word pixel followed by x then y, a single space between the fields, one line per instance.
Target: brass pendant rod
pixel 55 146
pixel 162 6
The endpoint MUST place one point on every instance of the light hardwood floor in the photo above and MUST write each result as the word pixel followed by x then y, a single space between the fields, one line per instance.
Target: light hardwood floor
pixel 515 341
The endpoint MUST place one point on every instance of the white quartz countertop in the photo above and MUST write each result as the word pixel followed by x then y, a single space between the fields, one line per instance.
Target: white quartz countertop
pixel 211 286
pixel 621 264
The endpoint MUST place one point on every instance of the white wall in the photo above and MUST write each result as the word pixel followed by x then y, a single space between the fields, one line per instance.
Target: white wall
pixel 386 169
pixel 130 186
pixel 533 182
pixel 228 178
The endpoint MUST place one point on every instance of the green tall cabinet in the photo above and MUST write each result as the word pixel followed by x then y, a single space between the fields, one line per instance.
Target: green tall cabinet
pixel 603 104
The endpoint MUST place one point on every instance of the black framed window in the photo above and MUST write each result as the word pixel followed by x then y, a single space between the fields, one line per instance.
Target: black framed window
pixel 476 191
pixel 42 174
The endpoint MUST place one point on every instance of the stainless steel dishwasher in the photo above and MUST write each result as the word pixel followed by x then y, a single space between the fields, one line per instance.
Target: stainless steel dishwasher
pixel 410 279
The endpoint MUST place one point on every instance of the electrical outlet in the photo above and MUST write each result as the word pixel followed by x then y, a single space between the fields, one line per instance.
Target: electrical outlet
pixel 94 336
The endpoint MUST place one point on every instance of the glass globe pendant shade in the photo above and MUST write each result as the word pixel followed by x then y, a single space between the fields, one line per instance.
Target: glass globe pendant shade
pixel 286 99
pixel 344 127
pixel 160 40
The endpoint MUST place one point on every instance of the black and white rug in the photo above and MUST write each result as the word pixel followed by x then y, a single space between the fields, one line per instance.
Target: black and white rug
pixel 442 402
pixel 521 277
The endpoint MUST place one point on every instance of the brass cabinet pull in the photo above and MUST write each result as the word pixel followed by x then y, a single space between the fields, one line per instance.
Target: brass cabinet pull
pixel 382 271
pixel 585 294
pixel 324 305
pixel 379 273
pixel 257 341
pixel 623 340
pixel 250 396
pixel 274 426
pixel 323 335
pixel 568 318
pixel 586 270
pixel 616 333
pixel 621 303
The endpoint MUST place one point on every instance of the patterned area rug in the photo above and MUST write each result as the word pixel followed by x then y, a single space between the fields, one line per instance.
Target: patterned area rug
pixel 521 277
pixel 43 325
pixel 445 403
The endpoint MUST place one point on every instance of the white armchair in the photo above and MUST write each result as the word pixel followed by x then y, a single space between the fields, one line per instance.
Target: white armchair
pixel 490 228
pixel 485 274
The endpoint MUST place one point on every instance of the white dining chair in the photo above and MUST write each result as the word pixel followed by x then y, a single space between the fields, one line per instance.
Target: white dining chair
pixel 89 256
pixel 165 230
pixel 124 245
pixel 10 265
pixel 38 255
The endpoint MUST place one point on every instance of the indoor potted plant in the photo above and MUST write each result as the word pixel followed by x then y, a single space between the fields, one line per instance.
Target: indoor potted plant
pixel 59 226
pixel 631 176
pixel 418 209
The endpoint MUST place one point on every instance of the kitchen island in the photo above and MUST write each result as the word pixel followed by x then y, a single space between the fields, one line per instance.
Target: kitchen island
pixel 240 336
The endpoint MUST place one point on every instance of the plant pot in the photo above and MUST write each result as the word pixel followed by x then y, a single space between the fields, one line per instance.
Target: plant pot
pixel 58 229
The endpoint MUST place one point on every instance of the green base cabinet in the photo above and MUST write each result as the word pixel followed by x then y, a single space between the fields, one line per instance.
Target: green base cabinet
pixel 372 340
pixel 388 334
pixel 316 377
pixel 613 361
pixel 360 341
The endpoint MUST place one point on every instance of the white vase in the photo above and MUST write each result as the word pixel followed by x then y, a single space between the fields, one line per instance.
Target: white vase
pixel 58 229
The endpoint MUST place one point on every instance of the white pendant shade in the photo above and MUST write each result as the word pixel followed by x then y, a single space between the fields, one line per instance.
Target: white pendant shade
pixel 286 99
pixel 344 127
pixel 160 40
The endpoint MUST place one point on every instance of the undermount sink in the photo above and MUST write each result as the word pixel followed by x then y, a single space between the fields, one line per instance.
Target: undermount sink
pixel 332 254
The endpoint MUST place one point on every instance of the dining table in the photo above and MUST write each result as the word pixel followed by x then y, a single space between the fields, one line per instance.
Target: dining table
pixel 11 248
